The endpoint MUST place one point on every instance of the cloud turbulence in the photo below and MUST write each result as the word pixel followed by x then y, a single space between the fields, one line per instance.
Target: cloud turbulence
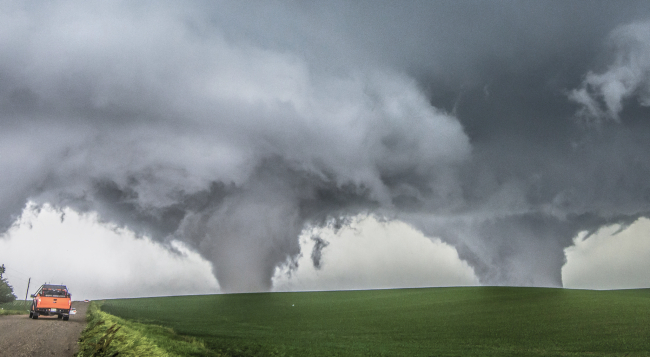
pixel 233 126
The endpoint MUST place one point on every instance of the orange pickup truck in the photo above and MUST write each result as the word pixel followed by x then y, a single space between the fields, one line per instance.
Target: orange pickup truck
pixel 51 300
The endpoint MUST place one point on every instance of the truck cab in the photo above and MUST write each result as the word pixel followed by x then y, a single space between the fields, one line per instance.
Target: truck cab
pixel 51 300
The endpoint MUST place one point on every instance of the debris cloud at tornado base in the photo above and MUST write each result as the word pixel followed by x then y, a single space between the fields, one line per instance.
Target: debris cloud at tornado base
pixel 234 127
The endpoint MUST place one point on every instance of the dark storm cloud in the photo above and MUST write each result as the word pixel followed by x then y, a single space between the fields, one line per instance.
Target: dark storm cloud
pixel 317 252
pixel 232 126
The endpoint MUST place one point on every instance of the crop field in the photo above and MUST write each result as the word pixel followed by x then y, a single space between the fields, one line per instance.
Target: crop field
pixel 468 321
pixel 14 308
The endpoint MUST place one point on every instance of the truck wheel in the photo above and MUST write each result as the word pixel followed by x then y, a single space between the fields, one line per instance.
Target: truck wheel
pixel 66 318
pixel 60 316
pixel 35 315
pixel 31 314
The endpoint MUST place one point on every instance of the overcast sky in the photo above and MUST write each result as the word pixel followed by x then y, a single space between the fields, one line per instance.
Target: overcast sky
pixel 253 136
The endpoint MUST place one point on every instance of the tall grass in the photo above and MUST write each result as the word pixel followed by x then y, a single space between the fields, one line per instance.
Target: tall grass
pixel 107 335
pixel 472 321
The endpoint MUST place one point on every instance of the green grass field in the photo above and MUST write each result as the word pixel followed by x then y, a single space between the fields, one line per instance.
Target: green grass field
pixel 18 307
pixel 469 321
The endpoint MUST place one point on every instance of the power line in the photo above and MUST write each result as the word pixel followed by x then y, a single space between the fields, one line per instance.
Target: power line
pixel 12 271
pixel 22 275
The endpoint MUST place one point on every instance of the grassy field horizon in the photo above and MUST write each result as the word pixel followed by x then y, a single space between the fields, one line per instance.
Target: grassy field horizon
pixel 17 307
pixel 454 321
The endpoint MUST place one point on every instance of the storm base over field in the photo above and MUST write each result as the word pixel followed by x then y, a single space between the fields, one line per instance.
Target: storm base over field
pixel 239 130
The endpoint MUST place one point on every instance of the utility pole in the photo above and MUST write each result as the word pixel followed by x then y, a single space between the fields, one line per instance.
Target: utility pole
pixel 27 292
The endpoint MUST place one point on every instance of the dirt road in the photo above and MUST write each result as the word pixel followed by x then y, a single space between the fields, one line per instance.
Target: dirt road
pixel 21 336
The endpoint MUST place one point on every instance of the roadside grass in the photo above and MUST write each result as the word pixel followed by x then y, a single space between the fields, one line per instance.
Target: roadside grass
pixel 468 321
pixel 108 335
pixel 18 307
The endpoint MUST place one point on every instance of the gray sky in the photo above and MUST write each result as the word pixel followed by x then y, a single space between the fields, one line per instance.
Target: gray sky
pixel 501 128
